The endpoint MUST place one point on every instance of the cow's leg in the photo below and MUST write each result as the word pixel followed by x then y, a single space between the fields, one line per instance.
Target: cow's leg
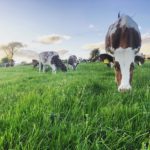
pixel 67 66
pixel 53 68
pixel 40 66
pixel 74 66
pixel 44 66
pixel 140 63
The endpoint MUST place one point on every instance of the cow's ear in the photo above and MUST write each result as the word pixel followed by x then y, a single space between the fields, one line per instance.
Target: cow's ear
pixel 106 56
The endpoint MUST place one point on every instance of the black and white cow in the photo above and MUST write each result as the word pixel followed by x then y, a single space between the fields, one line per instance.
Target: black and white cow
pixel 139 59
pixel 106 59
pixel 73 62
pixel 52 59
pixel 123 40
pixel 35 63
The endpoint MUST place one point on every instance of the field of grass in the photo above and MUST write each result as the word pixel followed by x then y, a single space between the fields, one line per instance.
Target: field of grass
pixel 79 110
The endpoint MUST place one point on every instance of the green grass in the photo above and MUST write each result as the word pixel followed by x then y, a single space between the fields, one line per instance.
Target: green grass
pixel 75 110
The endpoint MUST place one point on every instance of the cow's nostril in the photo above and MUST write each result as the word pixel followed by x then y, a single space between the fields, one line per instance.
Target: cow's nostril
pixel 122 88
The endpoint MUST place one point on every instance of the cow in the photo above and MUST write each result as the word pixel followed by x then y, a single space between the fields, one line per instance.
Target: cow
pixel 52 59
pixel 139 59
pixel 35 63
pixel 106 59
pixel 123 40
pixel 73 61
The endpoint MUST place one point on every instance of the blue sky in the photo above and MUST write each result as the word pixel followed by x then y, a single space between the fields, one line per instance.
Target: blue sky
pixel 84 21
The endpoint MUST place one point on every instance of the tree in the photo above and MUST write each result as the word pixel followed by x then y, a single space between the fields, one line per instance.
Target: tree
pixel 11 48
pixel 94 54
pixel 4 60
pixel 7 62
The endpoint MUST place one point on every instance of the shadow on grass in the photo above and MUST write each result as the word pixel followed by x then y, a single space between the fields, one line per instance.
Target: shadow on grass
pixel 95 88
pixel 4 125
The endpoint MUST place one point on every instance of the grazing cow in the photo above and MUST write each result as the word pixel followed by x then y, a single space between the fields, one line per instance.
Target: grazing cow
pixel 73 61
pixel 139 59
pixel 123 40
pixel 35 63
pixel 106 59
pixel 52 59
pixel 83 60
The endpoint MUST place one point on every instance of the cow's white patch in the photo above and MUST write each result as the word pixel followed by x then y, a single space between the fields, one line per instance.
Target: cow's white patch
pixel 125 57
pixel 140 63
pixel 75 64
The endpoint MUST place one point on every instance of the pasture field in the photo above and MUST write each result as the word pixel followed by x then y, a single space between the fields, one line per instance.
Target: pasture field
pixel 77 110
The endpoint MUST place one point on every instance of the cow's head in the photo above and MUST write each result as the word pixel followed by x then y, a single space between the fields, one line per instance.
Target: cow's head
pixel 73 61
pixel 58 63
pixel 123 40
pixel 63 67
pixel 124 65
pixel 35 63
pixel 116 64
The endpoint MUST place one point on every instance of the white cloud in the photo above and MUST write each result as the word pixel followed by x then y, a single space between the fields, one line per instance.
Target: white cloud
pixel 53 39
pixel 91 26
pixel 145 48
pixel 62 51
pixel 145 35
pixel 91 46
pixel 22 55
pixel 25 55
pixel 140 27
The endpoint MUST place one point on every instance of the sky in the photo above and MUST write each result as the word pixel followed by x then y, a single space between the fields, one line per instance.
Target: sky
pixel 76 26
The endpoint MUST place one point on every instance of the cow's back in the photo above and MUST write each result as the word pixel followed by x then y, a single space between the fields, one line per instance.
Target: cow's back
pixel 123 33
pixel 45 57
